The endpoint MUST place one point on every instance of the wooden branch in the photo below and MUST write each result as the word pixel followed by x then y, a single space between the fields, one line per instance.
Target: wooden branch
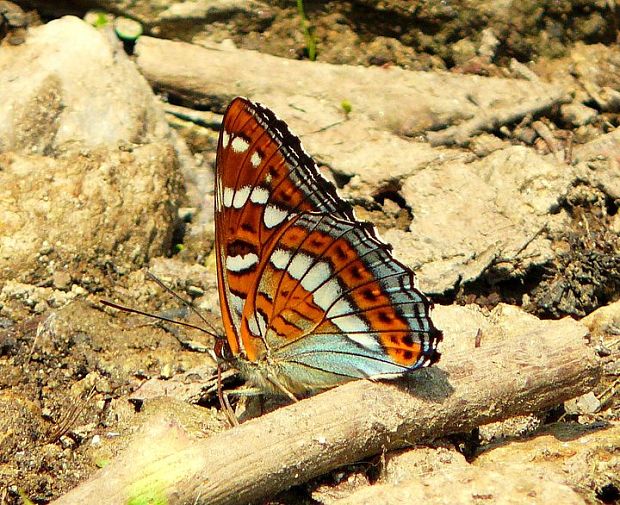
pixel 398 100
pixel 391 106
pixel 538 365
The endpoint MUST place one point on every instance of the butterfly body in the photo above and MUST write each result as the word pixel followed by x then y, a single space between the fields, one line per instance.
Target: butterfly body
pixel 310 296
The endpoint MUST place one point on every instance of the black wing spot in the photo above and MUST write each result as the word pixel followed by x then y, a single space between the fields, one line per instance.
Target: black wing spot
pixel 340 252
pixel 407 340
pixel 356 273
pixel 240 248
pixel 285 196
pixel 317 243
pixel 369 295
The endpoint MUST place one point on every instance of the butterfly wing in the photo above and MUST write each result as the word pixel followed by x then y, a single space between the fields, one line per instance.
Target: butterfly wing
pixel 263 176
pixel 335 305
pixel 302 280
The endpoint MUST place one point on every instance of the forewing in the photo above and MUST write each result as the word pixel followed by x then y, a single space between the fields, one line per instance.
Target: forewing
pixel 263 179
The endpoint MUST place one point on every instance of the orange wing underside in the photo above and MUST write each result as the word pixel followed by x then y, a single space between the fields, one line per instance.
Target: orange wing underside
pixel 293 312
pixel 293 261
pixel 248 158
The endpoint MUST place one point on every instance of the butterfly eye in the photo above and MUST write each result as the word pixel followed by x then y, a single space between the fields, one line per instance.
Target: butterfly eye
pixel 222 350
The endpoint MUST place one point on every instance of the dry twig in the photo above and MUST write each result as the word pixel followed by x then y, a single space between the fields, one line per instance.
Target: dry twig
pixel 486 121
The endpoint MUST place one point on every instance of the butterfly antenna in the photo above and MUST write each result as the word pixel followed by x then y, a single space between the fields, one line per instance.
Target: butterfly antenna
pixel 156 279
pixel 154 316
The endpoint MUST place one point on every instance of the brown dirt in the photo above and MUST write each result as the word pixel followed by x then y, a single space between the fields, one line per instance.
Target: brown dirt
pixel 63 371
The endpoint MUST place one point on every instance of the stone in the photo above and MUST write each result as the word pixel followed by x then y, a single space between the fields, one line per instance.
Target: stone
pixel 468 485
pixel 566 453
pixel 584 404
pixel 577 114
pixel 502 203
pixel 88 177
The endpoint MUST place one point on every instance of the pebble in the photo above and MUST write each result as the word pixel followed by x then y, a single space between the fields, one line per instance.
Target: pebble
pixel 584 404
pixel 577 114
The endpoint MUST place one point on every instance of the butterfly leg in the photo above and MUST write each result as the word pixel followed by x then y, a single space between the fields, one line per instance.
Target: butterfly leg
pixel 250 391
pixel 280 387
pixel 246 391
pixel 223 398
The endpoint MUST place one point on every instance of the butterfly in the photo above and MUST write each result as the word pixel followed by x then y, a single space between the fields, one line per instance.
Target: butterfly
pixel 310 296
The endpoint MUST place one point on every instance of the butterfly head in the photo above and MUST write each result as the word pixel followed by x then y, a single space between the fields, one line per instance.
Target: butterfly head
pixel 222 349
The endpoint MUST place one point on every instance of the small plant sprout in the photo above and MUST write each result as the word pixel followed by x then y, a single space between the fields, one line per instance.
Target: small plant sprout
pixel 98 19
pixel 346 107
pixel 308 31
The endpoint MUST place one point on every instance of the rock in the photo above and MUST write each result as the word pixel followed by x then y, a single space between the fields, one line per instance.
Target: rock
pixel 597 163
pixel 475 325
pixel 58 91
pixel 513 427
pixel 566 453
pixel 13 15
pixel 604 326
pixel 463 50
pixel 523 71
pixel 380 51
pixel 484 144
pixel 61 279
pixel 402 466
pixel 488 44
pixel 595 68
pixel 330 493
pixel 577 114
pixel 501 203
pixel 88 177
pixel 527 135
pixel 13 22
pixel 468 485
pixel 605 322
pixel 584 404
pixel 608 99
pixel 107 206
